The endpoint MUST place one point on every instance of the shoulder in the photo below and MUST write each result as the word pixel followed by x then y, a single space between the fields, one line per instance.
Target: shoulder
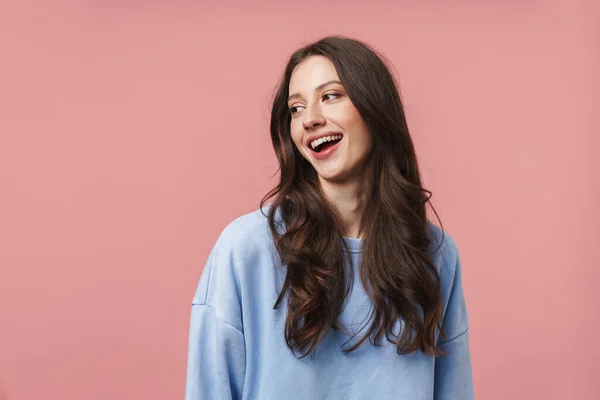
pixel 239 248
pixel 246 232
pixel 243 243
pixel 444 251
pixel 447 260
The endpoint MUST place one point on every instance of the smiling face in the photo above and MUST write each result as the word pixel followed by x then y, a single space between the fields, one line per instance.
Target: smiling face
pixel 322 113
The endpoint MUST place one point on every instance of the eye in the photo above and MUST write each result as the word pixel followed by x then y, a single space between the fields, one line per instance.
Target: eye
pixel 294 109
pixel 331 94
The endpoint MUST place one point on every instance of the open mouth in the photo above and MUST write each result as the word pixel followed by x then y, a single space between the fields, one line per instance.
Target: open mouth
pixel 324 143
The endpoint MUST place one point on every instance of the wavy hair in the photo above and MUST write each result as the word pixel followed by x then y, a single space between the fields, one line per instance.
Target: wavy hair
pixel 396 268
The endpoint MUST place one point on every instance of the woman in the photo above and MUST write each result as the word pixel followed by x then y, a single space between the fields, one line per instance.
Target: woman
pixel 340 288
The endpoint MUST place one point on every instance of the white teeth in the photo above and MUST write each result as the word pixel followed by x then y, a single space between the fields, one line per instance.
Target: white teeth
pixel 317 142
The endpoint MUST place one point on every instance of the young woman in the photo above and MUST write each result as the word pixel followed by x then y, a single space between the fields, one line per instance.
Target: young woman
pixel 340 288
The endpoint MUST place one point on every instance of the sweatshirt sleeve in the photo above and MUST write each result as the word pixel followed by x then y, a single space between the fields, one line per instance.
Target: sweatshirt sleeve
pixel 216 357
pixel 453 375
pixel 216 349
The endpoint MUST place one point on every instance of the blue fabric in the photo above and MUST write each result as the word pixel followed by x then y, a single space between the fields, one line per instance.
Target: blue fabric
pixel 237 348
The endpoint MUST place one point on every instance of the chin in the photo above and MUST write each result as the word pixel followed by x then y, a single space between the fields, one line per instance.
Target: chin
pixel 331 176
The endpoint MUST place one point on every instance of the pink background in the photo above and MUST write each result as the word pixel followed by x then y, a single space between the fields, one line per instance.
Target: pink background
pixel 132 132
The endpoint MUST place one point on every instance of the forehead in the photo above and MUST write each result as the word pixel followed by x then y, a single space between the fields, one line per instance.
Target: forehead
pixel 311 72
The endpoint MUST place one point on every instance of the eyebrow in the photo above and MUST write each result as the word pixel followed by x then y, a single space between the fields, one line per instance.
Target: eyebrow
pixel 321 86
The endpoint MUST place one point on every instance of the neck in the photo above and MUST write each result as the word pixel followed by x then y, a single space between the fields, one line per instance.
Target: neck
pixel 350 198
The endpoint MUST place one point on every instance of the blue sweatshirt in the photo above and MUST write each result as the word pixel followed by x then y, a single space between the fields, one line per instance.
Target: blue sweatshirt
pixel 237 348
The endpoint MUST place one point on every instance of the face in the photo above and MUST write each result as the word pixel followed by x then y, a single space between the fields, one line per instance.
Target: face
pixel 323 115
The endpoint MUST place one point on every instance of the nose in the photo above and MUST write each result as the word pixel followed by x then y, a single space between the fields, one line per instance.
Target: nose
pixel 313 117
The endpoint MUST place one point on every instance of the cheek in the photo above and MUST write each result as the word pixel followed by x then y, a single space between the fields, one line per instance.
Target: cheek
pixel 350 117
pixel 366 138
pixel 296 136
pixel 358 125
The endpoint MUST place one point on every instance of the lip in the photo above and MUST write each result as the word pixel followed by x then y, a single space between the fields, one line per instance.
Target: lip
pixel 323 154
pixel 319 136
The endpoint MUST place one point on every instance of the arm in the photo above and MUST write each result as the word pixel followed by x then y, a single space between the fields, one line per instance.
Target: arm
pixel 216 349
pixel 216 357
pixel 453 375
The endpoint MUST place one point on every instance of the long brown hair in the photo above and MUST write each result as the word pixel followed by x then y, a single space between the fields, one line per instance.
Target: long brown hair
pixel 396 268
